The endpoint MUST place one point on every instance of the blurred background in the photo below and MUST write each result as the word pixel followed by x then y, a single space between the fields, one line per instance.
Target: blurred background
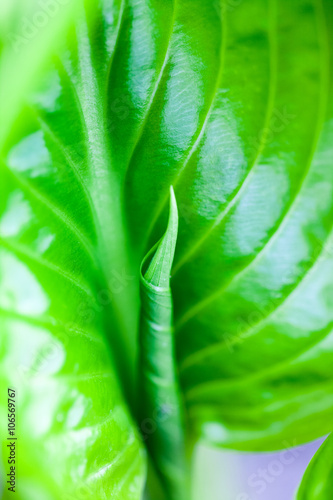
pixel 261 476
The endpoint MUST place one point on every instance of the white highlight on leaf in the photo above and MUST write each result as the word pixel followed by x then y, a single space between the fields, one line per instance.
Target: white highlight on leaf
pixel 16 216
pixel 31 156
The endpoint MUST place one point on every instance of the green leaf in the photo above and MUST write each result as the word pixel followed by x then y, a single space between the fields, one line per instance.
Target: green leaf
pixel 317 482
pixel 231 103
pixel 161 406
pixel 239 120
pixel 61 291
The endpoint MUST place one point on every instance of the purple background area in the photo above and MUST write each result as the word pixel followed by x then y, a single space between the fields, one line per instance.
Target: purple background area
pixel 268 476
pixel 275 476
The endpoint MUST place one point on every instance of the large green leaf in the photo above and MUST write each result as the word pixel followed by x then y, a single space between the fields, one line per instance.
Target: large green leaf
pixel 230 102
pixel 61 292
pixel 318 478
pixel 235 110
pixel 253 274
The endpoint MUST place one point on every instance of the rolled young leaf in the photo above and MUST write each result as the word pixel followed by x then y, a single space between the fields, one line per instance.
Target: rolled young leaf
pixel 317 483
pixel 161 409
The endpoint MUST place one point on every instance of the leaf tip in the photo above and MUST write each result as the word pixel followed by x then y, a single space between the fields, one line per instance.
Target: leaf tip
pixel 159 269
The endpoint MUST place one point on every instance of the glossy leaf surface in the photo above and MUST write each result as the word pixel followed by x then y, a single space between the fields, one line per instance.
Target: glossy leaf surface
pixel 58 308
pixel 231 103
pixel 239 120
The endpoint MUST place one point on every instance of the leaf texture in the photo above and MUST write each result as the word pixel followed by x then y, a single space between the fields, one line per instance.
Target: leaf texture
pixel 60 290
pixel 232 105
pixel 247 145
